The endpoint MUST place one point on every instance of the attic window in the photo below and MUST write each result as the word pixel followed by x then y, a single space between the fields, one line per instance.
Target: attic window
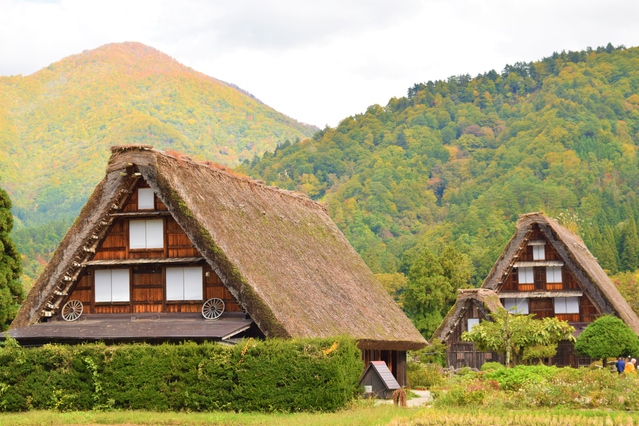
pixel 112 285
pixel 566 305
pixel 184 283
pixel 472 322
pixel 146 234
pixel 539 252
pixel 146 199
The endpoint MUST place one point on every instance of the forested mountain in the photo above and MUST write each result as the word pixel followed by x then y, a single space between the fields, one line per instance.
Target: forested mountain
pixel 56 125
pixel 451 165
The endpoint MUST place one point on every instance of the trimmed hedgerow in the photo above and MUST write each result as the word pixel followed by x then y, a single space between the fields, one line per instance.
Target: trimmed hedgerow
pixel 271 375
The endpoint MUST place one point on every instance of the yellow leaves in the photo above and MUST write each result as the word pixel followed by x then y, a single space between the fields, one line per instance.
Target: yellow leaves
pixel 567 159
pixel 633 99
pixel 452 150
pixel 394 284
pixel 310 185
pixel 333 348
pixel 245 349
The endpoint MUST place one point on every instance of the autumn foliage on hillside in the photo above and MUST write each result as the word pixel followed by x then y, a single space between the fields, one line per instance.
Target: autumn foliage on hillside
pixel 455 162
pixel 56 127
pixel 57 124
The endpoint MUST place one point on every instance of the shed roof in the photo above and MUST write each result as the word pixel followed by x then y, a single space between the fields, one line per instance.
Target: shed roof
pixel 279 253
pixel 487 301
pixel 381 370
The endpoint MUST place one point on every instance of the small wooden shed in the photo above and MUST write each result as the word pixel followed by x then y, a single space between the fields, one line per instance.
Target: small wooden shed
pixel 378 381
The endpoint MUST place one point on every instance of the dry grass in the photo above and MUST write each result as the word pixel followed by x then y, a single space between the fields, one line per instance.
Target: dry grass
pixel 364 414
pixel 361 416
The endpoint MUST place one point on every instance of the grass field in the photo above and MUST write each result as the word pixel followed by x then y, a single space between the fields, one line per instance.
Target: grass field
pixel 362 415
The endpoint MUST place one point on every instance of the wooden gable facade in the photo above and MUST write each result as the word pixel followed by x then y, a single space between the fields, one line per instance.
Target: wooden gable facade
pixel 162 236
pixel 547 271
pixel 540 283
pixel 145 251
pixel 472 306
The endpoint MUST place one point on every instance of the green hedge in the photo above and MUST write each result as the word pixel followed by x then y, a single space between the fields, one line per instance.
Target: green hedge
pixel 271 375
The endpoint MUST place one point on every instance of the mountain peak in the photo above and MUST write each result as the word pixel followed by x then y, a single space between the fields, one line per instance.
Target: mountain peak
pixel 127 57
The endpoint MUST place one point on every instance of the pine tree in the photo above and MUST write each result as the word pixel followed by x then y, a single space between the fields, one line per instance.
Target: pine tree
pixel 607 253
pixel 11 292
pixel 629 246
pixel 428 293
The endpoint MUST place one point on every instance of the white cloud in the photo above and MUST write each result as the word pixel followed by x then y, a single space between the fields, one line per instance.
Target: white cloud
pixel 317 62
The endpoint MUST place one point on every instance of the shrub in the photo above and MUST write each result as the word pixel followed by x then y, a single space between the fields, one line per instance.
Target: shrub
pixel 271 375
pixel 433 353
pixel 424 375
pixel 541 386
pixel 466 393
pixel 607 337
pixel 517 377
pixel 492 366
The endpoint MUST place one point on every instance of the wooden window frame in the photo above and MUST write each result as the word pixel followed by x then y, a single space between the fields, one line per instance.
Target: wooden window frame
pixel 551 274
pixel 111 302
pixel 539 252
pixel 469 325
pixel 184 299
pixel 519 303
pixel 146 190
pixel 528 273
pixel 146 247
pixel 558 301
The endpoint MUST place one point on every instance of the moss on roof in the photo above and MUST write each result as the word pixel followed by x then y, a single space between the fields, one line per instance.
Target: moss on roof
pixel 278 253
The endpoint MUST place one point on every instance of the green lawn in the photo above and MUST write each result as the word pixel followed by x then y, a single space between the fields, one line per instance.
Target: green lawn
pixel 362 415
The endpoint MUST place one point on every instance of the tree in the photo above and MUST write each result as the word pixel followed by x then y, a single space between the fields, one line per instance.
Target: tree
pixel 432 287
pixel 628 246
pixel 11 291
pixel 427 293
pixel 628 285
pixel 607 337
pixel 519 337
pixel 395 285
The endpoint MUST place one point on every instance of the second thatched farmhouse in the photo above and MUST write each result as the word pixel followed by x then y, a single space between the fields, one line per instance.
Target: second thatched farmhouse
pixel 545 270
pixel 169 249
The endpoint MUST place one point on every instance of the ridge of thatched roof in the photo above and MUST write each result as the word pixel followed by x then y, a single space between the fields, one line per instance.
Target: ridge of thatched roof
pixel 486 300
pixel 279 254
pixel 579 261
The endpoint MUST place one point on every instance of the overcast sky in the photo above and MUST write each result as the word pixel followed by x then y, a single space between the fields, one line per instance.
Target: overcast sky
pixel 317 61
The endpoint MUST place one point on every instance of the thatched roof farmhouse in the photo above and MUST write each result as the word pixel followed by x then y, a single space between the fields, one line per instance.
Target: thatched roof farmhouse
pixel 162 234
pixel 545 270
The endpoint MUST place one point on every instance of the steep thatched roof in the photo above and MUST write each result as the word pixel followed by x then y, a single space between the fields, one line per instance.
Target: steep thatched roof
pixel 278 253
pixel 486 300
pixel 579 261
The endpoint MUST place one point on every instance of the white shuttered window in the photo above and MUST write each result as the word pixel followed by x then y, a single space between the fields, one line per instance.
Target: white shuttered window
pixel 472 322
pixel 516 306
pixel 526 275
pixel 184 283
pixel 539 252
pixel 553 274
pixel 147 233
pixel 112 285
pixel 566 305
pixel 145 199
